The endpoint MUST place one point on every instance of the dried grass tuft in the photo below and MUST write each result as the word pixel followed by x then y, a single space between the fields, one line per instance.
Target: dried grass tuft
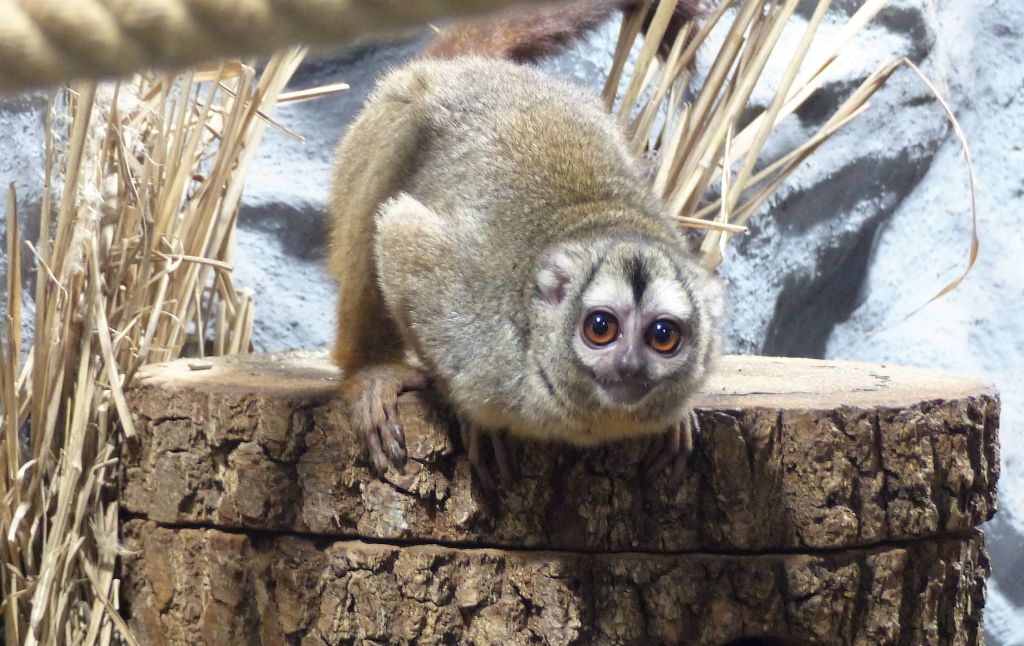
pixel 707 152
pixel 134 266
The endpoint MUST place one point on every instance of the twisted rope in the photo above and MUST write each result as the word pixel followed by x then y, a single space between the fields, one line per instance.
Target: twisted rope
pixel 43 42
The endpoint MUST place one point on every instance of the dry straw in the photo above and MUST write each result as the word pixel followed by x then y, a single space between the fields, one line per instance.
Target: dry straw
pixel 708 162
pixel 134 261
pixel 134 266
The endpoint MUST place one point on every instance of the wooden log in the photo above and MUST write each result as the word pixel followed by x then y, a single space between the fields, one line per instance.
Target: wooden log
pixel 207 586
pixel 793 454
pixel 824 503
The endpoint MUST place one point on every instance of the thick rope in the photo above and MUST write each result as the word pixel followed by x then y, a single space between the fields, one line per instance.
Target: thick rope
pixel 43 42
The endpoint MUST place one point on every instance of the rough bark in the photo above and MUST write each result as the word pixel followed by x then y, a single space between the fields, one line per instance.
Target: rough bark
pixel 792 454
pixel 196 586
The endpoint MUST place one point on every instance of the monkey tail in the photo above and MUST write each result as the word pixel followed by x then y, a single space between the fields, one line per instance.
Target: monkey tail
pixel 525 35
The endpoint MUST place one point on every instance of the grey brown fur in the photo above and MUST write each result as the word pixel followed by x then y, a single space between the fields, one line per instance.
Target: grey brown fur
pixel 473 202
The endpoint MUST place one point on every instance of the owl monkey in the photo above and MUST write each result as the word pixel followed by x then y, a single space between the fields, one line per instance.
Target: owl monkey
pixel 493 236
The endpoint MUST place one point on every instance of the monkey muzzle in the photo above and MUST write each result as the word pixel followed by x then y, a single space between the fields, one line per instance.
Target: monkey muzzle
pixel 628 391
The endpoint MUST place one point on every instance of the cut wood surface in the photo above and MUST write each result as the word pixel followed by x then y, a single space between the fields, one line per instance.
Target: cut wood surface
pixel 205 586
pixel 792 454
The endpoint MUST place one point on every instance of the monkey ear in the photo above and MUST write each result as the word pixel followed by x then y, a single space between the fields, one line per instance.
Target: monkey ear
pixel 715 295
pixel 711 288
pixel 556 272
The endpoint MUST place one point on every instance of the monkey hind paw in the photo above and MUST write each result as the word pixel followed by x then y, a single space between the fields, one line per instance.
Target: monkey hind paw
pixel 372 398
pixel 475 440
pixel 671 451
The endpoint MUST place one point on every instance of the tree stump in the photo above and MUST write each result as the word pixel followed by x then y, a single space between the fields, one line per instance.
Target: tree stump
pixel 825 502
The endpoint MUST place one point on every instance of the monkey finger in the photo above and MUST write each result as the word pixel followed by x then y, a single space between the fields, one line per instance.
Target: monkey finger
pixel 365 424
pixel 675 480
pixel 690 430
pixel 668 452
pixel 378 459
pixel 394 449
pixel 506 471
pixel 360 416
pixel 464 431
pixel 393 436
pixel 654 445
pixel 478 460
pixel 485 477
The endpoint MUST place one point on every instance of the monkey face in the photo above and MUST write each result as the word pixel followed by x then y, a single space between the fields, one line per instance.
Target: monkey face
pixel 630 317
pixel 634 325
pixel 623 352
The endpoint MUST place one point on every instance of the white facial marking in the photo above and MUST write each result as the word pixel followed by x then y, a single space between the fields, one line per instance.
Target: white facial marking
pixel 667 297
pixel 608 291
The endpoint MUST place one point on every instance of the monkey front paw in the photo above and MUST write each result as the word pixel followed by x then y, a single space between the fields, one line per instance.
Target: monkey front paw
pixel 475 439
pixel 372 397
pixel 671 449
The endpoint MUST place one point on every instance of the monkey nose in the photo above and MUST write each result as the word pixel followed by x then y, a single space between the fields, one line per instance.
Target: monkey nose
pixel 629 366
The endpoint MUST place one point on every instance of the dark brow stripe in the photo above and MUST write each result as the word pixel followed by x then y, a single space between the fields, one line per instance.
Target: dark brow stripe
pixel 638 276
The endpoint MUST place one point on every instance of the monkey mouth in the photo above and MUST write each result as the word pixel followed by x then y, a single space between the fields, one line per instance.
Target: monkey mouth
pixel 626 392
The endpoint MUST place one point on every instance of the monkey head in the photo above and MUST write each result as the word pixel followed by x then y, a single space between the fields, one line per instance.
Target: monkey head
pixel 624 327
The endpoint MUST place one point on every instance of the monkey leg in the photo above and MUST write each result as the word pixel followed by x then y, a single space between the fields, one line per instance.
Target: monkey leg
pixel 372 398
pixel 475 439
pixel 671 448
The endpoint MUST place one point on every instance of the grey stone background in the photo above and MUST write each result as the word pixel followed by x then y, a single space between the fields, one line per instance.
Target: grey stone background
pixel 863 235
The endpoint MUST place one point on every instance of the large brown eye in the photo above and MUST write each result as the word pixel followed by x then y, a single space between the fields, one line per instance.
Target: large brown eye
pixel 664 336
pixel 600 328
